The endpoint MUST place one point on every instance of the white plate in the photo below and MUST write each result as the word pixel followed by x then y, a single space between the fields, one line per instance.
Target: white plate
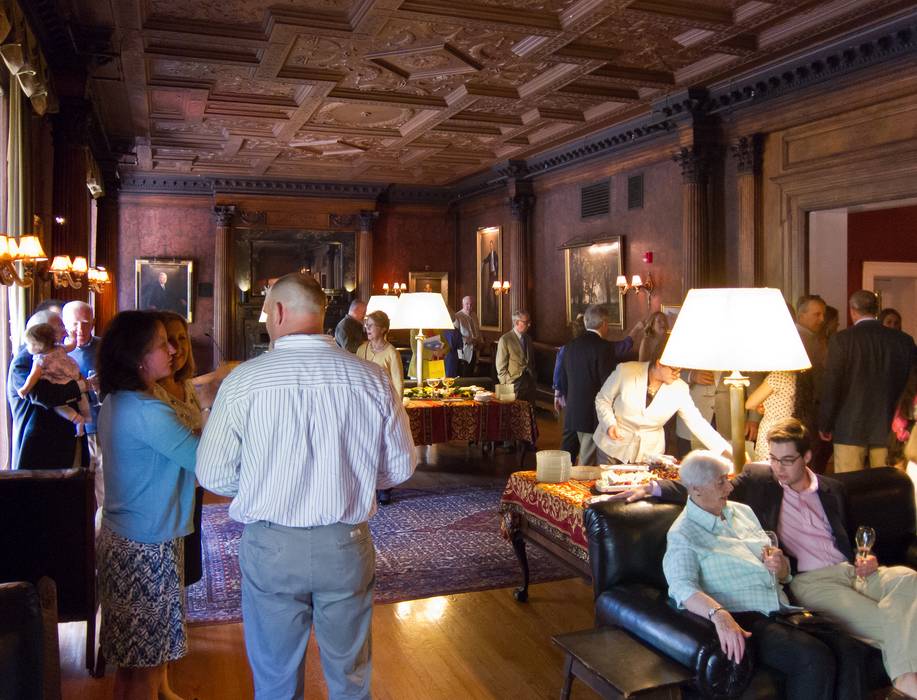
pixel 605 487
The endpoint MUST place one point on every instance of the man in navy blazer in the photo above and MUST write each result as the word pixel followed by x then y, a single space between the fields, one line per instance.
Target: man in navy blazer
pixel 588 361
pixel 41 438
pixel 865 373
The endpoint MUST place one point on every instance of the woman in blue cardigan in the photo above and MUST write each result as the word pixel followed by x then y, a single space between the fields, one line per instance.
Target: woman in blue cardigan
pixel 149 458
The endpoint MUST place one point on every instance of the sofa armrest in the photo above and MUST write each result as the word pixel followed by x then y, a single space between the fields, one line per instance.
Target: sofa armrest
pixel 681 636
pixel 911 559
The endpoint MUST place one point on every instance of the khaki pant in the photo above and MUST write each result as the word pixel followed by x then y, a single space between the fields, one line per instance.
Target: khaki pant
pixel 882 610
pixel 589 452
pixel 95 464
pixel 850 458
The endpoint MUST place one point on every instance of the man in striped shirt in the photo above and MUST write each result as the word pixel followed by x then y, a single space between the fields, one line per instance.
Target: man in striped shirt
pixel 301 438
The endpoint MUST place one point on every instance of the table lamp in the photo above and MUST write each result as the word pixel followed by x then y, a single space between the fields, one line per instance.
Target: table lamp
pixel 382 302
pixel 735 330
pixel 421 310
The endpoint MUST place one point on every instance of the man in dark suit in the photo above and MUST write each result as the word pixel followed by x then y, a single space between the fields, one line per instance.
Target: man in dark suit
pixel 865 373
pixel 41 438
pixel 158 296
pixel 808 513
pixel 588 361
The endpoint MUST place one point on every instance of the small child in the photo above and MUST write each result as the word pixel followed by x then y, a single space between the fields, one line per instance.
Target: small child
pixel 50 361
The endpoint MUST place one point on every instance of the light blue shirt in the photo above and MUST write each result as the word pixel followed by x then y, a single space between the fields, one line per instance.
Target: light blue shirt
pixel 721 557
pixel 85 358
pixel 149 459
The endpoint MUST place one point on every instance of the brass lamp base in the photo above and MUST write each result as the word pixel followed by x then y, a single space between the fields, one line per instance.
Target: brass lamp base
pixel 737 383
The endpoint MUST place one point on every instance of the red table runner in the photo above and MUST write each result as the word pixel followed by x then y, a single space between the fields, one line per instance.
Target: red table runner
pixel 438 421
pixel 555 510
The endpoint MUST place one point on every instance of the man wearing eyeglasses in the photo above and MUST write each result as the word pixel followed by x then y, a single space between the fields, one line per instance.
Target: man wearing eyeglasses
pixel 807 511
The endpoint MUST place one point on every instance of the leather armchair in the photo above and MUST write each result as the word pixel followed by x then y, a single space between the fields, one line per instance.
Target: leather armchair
pixel 29 656
pixel 626 546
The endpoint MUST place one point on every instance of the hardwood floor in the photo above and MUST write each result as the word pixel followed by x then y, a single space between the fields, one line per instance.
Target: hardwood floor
pixel 471 646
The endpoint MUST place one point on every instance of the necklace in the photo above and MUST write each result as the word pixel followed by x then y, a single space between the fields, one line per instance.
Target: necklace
pixel 651 391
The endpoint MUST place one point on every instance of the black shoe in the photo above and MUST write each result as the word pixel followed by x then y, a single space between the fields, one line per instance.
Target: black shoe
pixel 384 496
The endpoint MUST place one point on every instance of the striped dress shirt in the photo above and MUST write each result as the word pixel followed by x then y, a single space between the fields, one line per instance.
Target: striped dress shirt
pixel 302 436
pixel 722 558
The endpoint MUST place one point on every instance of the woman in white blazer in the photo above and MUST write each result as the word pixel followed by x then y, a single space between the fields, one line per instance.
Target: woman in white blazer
pixel 635 403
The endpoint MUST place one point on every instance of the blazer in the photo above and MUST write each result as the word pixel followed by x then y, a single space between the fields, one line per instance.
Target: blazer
pixel 865 373
pixel 622 402
pixel 512 363
pixel 587 362
pixel 41 438
pixel 757 487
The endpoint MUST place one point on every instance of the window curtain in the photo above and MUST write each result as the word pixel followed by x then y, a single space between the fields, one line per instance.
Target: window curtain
pixel 17 191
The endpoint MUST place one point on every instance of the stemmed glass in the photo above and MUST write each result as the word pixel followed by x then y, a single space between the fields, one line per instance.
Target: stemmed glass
pixel 865 540
pixel 448 382
pixel 96 401
pixel 433 382
pixel 769 549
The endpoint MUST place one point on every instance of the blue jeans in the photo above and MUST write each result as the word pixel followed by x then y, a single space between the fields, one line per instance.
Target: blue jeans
pixel 297 578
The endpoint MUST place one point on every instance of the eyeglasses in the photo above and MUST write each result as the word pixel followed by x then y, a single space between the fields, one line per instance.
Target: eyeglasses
pixel 784 461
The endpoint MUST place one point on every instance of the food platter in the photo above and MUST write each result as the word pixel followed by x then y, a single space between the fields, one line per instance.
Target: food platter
pixel 617 480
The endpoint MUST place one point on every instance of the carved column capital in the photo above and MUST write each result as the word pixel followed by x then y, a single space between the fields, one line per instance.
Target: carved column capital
pixel 747 152
pixel 224 214
pixel 366 218
pixel 521 204
pixel 694 162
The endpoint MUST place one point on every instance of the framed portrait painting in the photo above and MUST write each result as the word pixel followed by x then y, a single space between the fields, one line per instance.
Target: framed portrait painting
pixel 671 314
pixel 164 284
pixel 430 282
pixel 490 270
pixel 592 272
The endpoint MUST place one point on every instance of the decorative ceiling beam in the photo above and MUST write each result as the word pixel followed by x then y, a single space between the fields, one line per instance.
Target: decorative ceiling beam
pixel 529 20
pixel 636 75
pixel 685 9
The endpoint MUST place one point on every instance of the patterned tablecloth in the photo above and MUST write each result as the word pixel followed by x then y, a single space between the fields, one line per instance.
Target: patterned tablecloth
pixel 555 510
pixel 438 421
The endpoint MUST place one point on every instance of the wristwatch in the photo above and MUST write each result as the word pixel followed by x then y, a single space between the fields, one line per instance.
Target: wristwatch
pixel 713 611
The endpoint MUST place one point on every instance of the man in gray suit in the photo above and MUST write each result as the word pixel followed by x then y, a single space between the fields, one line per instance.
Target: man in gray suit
pixel 516 358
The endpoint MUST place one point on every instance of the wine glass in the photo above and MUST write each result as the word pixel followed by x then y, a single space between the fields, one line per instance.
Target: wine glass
pixel 92 394
pixel 432 382
pixel 448 382
pixel 865 540
pixel 769 549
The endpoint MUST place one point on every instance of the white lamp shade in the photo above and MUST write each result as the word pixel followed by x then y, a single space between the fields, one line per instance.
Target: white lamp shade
pixel 421 310
pixel 747 329
pixel 382 302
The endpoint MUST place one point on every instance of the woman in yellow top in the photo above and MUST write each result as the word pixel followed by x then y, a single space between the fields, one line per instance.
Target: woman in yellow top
pixel 428 353
pixel 377 348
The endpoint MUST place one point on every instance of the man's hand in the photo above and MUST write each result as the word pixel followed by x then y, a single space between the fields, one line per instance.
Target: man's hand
pixel 776 563
pixel 827 437
pixel 702 376
pixel 559 403
pixel 751 431
pixel 614 434
pixel 732 636
pixel 867 566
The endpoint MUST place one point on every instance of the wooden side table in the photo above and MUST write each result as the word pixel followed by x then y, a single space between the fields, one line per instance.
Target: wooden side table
pixel 615 665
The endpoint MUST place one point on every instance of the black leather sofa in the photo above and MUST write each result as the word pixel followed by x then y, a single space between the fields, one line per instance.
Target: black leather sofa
pixel 626 546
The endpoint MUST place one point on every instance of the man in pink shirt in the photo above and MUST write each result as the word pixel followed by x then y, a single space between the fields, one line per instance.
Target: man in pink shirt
pixel 807 511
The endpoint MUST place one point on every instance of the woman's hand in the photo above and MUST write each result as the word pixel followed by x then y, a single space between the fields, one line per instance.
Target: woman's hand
pixel 732 636
pixel 867 566
pixel 614 434
pixel 776 562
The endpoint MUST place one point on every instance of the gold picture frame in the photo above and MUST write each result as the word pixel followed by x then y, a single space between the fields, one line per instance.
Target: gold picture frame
pixel 430 282
pixel 489 248
pixel 591 271
pixel 173 293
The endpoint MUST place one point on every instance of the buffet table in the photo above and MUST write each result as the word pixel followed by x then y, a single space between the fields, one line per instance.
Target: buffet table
pixel 442 421
pixel 549 515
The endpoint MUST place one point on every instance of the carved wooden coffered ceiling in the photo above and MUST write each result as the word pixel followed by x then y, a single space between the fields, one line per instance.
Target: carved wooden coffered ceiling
pixel 413 91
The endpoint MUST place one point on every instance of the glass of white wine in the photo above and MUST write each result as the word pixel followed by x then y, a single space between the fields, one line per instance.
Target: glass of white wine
pixel 769 549
pixel 433 383
pixel 865 539
pixel 448 382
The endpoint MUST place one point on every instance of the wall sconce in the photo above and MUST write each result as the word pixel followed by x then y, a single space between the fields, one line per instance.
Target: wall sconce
pixel 98 279
pixel 501 287
pixel 245 286
pixel 66 273
pixel 397 288
pixel 27 251
pixel 637 284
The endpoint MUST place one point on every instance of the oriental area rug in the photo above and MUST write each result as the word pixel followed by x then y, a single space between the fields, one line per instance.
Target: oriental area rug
pixel 429 542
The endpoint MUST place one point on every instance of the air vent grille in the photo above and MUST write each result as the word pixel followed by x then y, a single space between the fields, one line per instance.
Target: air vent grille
pixel 595 199
pixel 635 192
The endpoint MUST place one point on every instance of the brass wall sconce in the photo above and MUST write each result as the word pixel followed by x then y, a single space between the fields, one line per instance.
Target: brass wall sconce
pixel 397 288
pixel 67 273
pixel 98 279
pixel 637 284
pixel 27 251
pixel 501 287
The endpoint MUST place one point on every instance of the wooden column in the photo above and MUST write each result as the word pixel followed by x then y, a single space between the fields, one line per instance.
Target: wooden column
pixel 747 153
pixel 693 161
pixel 366 220
pixel 106 253
pixel 521 203
pixel 223 285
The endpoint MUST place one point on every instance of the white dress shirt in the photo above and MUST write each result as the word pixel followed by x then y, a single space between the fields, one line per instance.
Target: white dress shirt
pixel 302 436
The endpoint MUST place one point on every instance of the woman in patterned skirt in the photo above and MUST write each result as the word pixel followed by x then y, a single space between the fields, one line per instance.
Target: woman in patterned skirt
pixel 149 457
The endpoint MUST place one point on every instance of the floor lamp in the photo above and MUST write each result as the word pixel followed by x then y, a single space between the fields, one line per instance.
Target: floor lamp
pixel 421 310
pixel 735 331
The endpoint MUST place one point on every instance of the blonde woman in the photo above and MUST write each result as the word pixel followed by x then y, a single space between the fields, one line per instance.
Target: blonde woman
pixel 377 349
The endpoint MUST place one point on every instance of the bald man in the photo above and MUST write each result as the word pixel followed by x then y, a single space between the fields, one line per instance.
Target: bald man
pixel 349 333
pixel 301 437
